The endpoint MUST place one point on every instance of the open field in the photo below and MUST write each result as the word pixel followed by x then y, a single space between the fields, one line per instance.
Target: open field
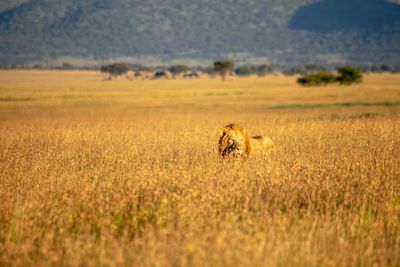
pixel 126 173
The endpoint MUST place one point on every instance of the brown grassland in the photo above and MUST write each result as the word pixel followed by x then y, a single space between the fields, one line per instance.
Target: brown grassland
pixel 126 173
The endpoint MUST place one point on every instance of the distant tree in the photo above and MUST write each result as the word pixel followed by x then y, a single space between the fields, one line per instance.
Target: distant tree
pixel 349 75
pixel 115 69
pixel 178 69
pixel 316 79
pixel 223 67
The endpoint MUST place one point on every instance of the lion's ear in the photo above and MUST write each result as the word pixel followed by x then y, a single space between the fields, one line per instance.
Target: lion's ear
pixel 244 131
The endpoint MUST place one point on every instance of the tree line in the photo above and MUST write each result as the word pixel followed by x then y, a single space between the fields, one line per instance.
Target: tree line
pixel 311 74
pixel 346 75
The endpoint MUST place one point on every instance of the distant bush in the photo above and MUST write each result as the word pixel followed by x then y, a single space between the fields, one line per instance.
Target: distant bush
pixel 319 78
pixel 349 75
pixel 115 69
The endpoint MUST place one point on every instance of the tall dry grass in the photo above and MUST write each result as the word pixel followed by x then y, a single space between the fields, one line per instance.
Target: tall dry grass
pixel 123 184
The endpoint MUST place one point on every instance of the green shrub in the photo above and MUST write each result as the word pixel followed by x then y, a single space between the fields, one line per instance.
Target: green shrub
pixel 349 75
pixel 319 78
pixel 115 69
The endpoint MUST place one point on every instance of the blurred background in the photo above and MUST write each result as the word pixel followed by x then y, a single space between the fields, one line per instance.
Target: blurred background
pixel 281 34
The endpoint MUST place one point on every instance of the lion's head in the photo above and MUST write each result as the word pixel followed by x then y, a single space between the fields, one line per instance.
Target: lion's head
pixel 233 141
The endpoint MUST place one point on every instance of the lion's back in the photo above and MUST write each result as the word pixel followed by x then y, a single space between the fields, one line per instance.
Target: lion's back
pixel 259 143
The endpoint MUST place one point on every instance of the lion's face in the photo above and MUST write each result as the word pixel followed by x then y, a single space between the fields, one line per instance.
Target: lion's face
pixel 233 141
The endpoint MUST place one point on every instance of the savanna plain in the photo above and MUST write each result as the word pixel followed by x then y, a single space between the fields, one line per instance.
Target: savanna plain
pixel 127 172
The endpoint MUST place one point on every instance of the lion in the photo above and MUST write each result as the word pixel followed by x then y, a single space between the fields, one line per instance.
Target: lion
pixel 235 142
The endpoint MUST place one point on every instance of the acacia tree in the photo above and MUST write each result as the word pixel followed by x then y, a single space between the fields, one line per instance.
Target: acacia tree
pixel 223 67
pixel 349 75
pixel 115 69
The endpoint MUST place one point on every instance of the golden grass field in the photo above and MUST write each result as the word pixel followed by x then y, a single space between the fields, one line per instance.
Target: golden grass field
pixel 126 173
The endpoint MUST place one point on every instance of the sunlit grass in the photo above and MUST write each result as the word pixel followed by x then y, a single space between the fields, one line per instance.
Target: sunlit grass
pixel 97 173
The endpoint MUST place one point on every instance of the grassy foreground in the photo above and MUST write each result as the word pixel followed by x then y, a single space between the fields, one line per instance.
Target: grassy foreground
pixel 126 173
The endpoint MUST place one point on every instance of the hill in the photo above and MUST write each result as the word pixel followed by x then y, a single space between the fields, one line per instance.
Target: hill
pixel 280 32
pixel 336 15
